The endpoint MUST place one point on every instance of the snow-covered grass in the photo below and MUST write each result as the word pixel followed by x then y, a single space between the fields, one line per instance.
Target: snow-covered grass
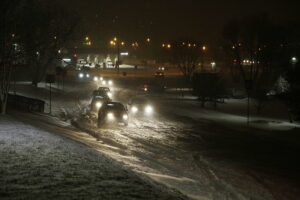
pixel 37 164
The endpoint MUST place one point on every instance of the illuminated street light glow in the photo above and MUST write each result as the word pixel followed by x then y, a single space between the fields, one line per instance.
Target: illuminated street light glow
pixel 95 78
pixel 148 40
pixel 168 46
pixel 294 60
pixel 110 82
pixel 115 39
pixel 122 43
pixel 213 65
pixel 87 38
pixel 204 48
pixel 124 53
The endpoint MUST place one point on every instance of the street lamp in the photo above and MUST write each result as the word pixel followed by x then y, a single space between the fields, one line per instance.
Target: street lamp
pixel 213 66
pixel 115 42
pixel 294 60
pixel 202 57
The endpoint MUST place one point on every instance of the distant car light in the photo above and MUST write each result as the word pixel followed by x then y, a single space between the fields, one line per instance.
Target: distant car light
pixel 110 82
pixel 148 109
pixel 81 75
pixel 125 117
pixel 110 116
pixel 98 104
pixel 87 75
pixel 101 78
pixel 95 78
pixel 145 89
pixel 103 82
pixel 134 109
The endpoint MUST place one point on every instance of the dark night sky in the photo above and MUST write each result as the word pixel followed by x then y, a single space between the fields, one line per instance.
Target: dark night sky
pixel 166 20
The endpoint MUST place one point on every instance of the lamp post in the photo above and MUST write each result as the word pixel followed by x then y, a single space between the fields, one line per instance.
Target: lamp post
pixel 116 43
pixel 202 57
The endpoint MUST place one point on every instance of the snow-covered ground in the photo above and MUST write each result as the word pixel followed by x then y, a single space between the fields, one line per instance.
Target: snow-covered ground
pixel 36 163
pixel 203 153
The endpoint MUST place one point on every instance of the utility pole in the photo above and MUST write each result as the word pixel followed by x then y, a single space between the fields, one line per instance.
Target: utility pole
pixel 118 57
pixel 50 99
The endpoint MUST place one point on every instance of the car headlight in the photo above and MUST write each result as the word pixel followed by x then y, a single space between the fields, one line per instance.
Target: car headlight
pixel 110 82
pixel 87 75
pixel 98 104
pixel 110 116
pixel 125 117
pixel 101 78
pixel 109 94
pixel 134 109
pixel 145 89
pixel 95 78
pixel 81 75
pixel 103 82
pixel 148 109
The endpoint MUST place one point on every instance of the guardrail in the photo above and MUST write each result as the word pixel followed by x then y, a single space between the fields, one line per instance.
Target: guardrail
pixel 25 103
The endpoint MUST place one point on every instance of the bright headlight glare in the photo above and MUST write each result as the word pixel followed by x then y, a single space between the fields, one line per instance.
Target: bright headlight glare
pixel 101 78
pixel 145 89
pixel 103 82
pixel 134 109
pixel 148 109
pixel 110 116
pixel 110 82
pixel 87 75
pixel 95 78
pixel 125 117
pixel 98 104
pixel 81 75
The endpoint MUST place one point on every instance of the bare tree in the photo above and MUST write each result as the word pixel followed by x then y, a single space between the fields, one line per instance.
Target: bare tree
pixel 42 38
pixel 186 55
pixel 7 48
pixel 253 44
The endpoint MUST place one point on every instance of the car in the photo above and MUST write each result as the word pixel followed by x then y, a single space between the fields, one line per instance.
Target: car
pixel 159 74
pixel 97 103
pixel 107 90
pixel 151 88
pixel 98 78
pixel 82 75
pixel 101 94
pixel 140 106
pixel 112 112
pixel 144 88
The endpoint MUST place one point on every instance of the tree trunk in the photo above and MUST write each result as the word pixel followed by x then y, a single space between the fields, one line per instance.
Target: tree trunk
pixel 4 104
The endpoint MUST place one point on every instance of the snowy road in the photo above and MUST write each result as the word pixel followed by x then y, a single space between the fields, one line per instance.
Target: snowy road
pixel 188 149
